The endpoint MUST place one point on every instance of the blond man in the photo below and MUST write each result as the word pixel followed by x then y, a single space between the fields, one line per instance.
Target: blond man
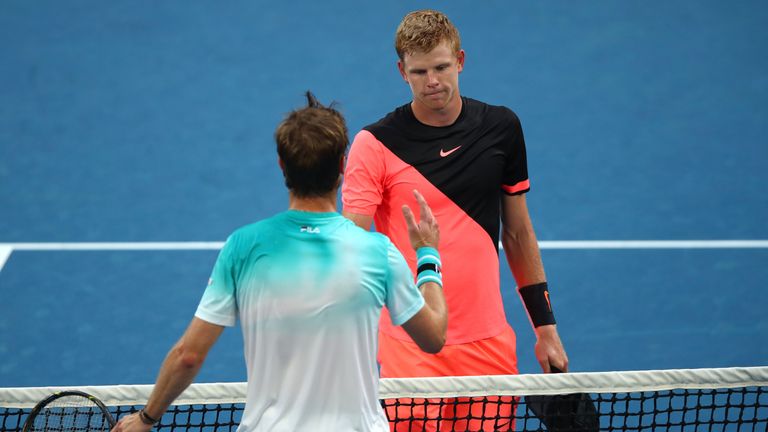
pixel 468 158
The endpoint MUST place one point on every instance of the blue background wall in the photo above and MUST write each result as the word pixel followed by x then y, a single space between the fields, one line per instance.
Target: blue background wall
pixel 153 121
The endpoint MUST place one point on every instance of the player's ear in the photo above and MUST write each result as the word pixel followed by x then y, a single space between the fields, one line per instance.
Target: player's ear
pixel 460 60
pixel 282 165
pixel 401 69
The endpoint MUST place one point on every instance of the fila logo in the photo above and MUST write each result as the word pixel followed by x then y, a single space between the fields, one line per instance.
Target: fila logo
pixel 444 153
pixel 309 229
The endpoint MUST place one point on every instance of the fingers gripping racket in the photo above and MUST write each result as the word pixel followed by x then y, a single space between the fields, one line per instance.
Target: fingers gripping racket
pixel 570 412
pixel 69 411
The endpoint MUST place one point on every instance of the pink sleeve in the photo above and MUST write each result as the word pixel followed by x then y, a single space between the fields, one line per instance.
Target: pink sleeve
pixel 363 186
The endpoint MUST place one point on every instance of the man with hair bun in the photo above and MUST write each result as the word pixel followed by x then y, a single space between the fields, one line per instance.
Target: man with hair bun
pixel 308 287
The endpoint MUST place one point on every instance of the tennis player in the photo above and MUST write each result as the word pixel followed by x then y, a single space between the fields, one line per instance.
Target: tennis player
pixel 468 158
pixel 308 287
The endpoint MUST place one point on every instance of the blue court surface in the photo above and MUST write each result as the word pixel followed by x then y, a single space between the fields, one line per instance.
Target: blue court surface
pixel 129 121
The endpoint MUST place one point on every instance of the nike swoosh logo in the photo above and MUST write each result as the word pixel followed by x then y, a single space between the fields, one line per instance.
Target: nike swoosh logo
pixel 444 153
pixel 549 305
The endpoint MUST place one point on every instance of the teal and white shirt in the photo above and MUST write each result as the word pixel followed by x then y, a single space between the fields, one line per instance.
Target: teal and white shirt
pixel 308 289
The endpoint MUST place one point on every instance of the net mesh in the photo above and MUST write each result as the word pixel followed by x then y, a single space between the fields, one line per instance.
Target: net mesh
pixel 729 399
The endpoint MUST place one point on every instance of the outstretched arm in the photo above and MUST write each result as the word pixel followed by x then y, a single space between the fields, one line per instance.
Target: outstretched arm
pixel 524 259
pixel 176 374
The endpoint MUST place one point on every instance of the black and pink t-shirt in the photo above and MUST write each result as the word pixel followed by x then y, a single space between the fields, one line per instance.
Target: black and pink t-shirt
pixel 462 170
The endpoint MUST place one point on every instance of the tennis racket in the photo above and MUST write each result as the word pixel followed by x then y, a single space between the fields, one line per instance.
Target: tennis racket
pixel 569 412
pixel 69 411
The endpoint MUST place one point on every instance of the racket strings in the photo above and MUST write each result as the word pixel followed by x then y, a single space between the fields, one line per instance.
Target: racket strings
pixel 71 414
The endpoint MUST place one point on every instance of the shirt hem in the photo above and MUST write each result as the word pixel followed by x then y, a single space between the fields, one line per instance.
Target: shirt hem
pixel 215 318
pixel 451 341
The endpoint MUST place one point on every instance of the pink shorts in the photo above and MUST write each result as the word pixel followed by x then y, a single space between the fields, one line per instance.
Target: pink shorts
pixel 491 356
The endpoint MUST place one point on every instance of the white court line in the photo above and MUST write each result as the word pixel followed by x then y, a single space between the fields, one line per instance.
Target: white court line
pixel 655 244
pixel 574 244
pixel 5 252
pixel 94 246
pixel 7 248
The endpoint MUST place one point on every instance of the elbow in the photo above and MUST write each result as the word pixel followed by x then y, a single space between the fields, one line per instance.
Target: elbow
pixel 428 329
pixel 186 358
pixel 517 240
pixel 439 336
pixel 435 345
pixel 510 235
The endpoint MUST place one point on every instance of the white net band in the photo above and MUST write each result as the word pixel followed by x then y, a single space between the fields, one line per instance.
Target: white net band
pixel 442 387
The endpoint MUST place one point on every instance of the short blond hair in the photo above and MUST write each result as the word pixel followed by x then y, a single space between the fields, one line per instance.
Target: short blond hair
pixel 423 30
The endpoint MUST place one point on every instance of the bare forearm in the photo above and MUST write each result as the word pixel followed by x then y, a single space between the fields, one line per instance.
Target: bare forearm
pixel 525 261
pixel 435 301
pixel 176 374
pixel 523 256
pixel 429 326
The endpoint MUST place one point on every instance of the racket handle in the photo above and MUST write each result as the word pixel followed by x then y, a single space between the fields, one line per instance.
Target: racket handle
pixel 554 369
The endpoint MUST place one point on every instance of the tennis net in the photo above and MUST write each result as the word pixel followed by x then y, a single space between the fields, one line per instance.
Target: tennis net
pixel 726 399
